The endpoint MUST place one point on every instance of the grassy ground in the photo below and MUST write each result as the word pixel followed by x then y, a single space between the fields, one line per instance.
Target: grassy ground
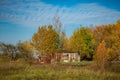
pixel 62 71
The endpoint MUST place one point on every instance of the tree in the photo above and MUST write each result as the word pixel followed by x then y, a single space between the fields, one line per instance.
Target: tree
pixel 118 36
pixel 25 50
pixel 58 28
pixel 57 24
pixel 111 35
pixel 98 34
pixel 65 40
pixel 82 41
pixel 9 50
pixel 46 40
pixel 101 55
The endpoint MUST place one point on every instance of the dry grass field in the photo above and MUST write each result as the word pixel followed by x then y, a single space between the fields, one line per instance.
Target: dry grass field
pixel 61 71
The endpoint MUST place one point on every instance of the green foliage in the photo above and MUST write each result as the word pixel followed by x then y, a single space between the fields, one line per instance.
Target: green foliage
pixel 14 52
pixel 9 50
pixel 82 63
pixel 58 28
pixel 82 41
pixel 25 49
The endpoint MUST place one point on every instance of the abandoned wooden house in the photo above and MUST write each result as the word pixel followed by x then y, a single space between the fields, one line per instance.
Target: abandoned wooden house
pixel 69 57
pixel 66 57
pixel 59 57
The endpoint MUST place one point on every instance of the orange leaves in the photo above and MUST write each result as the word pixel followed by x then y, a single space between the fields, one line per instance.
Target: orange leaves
pixel 84 40
pixel 101 56
pixel 107 41
pixel 46 40
pixel 111 35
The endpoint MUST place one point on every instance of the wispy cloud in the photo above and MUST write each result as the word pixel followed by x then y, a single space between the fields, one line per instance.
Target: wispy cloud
pixel 34 13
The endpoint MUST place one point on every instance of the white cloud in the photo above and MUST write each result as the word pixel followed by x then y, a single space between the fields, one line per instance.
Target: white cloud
pixel 35 13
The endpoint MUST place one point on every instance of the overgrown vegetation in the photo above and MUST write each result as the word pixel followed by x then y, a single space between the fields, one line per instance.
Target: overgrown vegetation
pixel 99 46
pixel 50 39
pixel 23 71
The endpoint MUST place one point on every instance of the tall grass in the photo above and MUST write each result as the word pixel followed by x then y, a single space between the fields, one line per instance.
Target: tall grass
pixel 24 71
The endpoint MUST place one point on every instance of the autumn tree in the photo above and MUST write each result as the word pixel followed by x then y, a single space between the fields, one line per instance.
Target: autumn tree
pixel 65 45
pixel 98 34
pixel 101 55
pixel 82 41
pixel 46 40
pixel 118 36
pixel 110 34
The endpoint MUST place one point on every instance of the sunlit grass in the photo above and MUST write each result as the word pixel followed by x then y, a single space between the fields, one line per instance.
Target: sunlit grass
pixel 24 71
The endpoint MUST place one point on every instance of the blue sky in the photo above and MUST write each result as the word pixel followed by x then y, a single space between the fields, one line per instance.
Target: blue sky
pixel 20 19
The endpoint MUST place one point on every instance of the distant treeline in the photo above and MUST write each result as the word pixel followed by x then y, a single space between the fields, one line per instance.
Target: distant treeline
pixel 88 42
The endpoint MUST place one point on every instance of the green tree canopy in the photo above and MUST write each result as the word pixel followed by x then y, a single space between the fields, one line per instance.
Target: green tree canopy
pixel 25 49
pixel 82 41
